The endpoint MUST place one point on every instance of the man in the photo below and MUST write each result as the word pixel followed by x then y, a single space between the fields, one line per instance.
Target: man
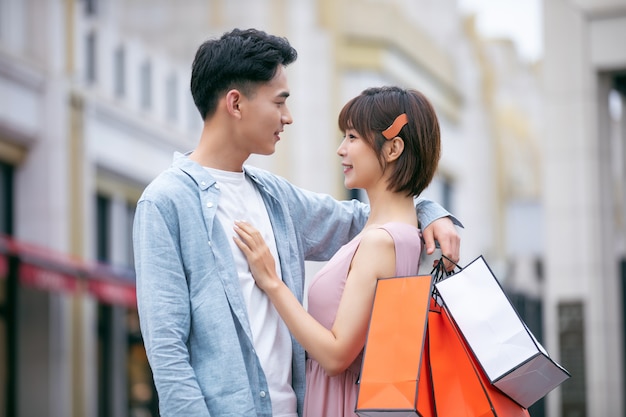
pixel 216 345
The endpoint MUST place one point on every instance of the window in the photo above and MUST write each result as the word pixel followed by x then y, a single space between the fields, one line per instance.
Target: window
pixel 6 199
pixel 90 58
pixel 103 223
pixel 106 326
pixel 120 352
pixel 107 227
pixel 171 102
pixel 114 211
pixel 146 85
pixel 142 395
pixel 447 194
pixel 530 310
pixel 128 227
pixel 572 354
pixel 119 71
pixel 91 7
pixel 8 293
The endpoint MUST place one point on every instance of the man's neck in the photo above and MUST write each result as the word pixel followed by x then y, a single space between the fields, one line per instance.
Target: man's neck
pixel 216 150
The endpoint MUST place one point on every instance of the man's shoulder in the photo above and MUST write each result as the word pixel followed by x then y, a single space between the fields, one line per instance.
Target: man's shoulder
pixel 265 177
pixel 167 184
pixel 256 172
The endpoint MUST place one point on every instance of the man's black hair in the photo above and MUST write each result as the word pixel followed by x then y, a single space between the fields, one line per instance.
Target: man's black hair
pixel 238 59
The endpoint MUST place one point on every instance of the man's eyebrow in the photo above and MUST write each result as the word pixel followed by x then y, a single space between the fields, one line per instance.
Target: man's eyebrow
pixel 284 94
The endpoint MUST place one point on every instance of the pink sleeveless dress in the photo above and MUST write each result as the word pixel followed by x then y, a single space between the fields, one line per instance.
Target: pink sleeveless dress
pixel 336 396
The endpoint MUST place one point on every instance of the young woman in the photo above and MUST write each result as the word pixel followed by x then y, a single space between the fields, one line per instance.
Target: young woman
pixel 391 149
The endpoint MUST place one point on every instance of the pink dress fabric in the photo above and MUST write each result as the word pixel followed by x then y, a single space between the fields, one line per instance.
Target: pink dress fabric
pixel 336 396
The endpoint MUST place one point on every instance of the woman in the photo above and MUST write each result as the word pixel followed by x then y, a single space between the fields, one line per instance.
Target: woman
pixel 390 149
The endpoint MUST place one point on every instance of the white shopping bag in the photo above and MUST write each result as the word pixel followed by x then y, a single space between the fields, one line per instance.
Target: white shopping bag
pixel 508 352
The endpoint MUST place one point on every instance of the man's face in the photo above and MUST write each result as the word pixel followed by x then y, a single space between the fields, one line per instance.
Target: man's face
pixel 264 114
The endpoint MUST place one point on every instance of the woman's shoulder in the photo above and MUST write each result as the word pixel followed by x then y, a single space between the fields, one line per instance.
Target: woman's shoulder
pixel 387 235
pixel 376 237
pixel 403 234
pixel 400 229
pixel 375 253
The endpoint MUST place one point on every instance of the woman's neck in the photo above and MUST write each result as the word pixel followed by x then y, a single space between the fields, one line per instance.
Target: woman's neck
pixel 387 206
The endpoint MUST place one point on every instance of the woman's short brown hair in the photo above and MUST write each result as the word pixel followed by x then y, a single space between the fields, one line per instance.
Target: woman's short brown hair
pixel 375 109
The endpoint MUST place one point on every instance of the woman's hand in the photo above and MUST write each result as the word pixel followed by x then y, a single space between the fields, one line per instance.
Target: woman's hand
pixel 335 349
pixel 256 251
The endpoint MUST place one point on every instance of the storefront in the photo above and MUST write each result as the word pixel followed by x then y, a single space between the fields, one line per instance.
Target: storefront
pixel 31 275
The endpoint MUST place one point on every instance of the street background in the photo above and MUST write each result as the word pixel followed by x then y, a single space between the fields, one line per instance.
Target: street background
pixel 94 101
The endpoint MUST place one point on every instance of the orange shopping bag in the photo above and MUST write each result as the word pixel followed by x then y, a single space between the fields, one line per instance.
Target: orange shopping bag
pixel 460 388
pixel 394 376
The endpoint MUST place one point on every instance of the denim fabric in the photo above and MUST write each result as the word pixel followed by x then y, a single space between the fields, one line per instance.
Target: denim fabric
pixel 192 313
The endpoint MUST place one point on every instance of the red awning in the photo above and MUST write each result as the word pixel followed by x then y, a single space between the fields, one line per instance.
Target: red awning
pixel 43 268
pixel 49 270
pixel 113 293
pixel 112 285
pixel 4 266
pixel 47 279
pixel 4 260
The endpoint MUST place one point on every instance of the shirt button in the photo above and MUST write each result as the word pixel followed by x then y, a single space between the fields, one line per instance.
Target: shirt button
pixel 217 186
pixel 262 394
pixel 210 243
pixel 209 205
pixel 203 183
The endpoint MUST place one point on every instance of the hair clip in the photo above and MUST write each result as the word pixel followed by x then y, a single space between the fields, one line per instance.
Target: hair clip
pixel 397 125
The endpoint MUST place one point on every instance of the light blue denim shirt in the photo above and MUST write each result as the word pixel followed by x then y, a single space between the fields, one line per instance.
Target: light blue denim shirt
pixel 192 313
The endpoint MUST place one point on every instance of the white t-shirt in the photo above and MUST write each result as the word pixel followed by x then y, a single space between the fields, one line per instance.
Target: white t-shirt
pixel 240 200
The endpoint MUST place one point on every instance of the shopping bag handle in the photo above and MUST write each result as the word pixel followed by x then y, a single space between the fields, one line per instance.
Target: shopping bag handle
pixel 439 271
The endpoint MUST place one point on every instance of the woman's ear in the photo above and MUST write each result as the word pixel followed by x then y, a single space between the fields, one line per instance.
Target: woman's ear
pixel 233 98
pixel 393 148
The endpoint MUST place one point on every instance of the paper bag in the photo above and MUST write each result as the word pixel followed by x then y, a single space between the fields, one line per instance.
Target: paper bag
pixel 394 379
pixel 460 388
pixel 507 351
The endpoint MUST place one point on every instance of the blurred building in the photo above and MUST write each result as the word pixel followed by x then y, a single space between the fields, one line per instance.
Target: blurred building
pixel 94 101
pixel 584 204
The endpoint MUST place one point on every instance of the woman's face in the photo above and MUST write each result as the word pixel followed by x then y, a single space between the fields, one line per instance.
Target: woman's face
pixel 361 166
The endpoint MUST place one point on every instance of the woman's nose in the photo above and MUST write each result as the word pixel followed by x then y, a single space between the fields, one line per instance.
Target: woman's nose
pixel 341 150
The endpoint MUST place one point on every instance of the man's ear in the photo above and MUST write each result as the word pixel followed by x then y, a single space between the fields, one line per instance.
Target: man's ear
pixel 393 148
pixel 233 98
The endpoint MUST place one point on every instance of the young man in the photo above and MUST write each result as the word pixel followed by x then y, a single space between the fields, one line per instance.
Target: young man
pixel 216 345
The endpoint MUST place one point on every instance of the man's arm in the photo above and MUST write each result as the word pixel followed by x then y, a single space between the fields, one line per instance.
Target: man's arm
pixel 325 224
pixel 439 228
pixel 163 305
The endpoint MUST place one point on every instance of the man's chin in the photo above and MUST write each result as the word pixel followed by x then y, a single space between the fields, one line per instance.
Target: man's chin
pixel 267 152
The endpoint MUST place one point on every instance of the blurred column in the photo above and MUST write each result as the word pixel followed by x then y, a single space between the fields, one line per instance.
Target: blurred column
pixel 581 270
